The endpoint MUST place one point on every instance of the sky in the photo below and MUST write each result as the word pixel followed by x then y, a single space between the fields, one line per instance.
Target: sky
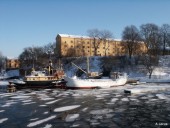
pixel 28 23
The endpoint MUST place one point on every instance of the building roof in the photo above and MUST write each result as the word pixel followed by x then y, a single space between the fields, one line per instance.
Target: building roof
pixel 81 36
pixel 73 36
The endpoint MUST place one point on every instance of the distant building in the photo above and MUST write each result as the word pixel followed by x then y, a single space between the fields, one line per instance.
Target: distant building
pixel 12 63
pixel 75 46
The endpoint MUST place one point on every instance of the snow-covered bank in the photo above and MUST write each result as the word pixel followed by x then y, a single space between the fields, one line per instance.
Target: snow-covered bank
pixel 161 73
pixel 147 88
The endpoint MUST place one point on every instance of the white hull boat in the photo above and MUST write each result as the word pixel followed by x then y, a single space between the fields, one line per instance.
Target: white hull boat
pixel 78 83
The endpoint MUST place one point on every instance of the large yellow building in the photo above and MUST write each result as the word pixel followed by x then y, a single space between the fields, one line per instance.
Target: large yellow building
pixel 75 46
pixel 12 63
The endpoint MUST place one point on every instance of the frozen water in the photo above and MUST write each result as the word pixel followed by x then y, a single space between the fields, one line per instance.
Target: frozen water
pixel 8 104
pixel 125 99
pixel 66 108
pixel 101 111
pixel 114 99
pixel 45 112
pixel 48 126
pixel 47 98
pixel 40 121
pixel 28 103
pixel 34 119
pixel 161 96
pixel 90 108
pixel 43 105
pixel 71 117
pixel 52 102
pixel 25 101
pixel 20 97
pixel 84 109
pixel 2 120
pixel 2 110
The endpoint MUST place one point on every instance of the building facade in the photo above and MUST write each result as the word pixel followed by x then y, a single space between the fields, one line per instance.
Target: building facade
pixel 76 46
pixel 12 63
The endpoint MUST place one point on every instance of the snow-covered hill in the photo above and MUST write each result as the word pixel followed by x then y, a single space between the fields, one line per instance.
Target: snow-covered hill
pixel 162 71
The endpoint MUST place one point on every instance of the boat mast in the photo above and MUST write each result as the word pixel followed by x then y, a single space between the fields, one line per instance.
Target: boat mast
pixel 79 67
pixel 88 67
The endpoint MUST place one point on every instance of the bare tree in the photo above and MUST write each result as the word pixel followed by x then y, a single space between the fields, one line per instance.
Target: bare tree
pixel 2 62
pixel 106 35
pixel 131 37
pixel 150 62
pixel 165 33
pixel 95 34
pixel 152 38
pixel 49 49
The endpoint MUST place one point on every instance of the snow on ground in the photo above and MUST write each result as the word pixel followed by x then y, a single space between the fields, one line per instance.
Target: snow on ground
pixel 146 88
pixel 8 74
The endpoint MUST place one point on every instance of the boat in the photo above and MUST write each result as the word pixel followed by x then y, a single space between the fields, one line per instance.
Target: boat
pixel 45 78
pixel 88 73
pixel 95 79
pixel 79 83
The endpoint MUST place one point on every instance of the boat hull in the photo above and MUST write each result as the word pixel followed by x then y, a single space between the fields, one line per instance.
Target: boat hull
pixel 73 83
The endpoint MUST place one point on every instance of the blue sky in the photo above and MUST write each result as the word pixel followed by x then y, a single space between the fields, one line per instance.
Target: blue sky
pixel 25 23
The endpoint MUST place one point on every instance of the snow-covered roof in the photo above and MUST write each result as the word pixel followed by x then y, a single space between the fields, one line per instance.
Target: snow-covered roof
pixel 117 39
pixel 73 36
pixel 12 58
pixel 81 36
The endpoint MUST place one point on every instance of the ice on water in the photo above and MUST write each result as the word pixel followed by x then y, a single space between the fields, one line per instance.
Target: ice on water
pixel 71 117
pixel 66 108
pixel 40 121
pixel 101 111
pixel 52 102
pixel 3 120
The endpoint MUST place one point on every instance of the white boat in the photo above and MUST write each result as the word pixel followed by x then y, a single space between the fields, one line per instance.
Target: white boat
pixel 78 83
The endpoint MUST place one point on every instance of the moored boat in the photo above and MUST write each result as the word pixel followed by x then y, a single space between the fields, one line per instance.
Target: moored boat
pixel 46 78
pixel 78 83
